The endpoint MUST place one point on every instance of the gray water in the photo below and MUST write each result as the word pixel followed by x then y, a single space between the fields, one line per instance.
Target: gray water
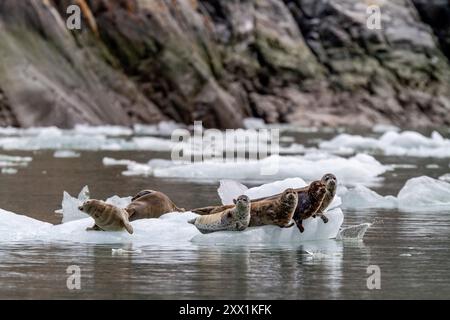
pixel 411 249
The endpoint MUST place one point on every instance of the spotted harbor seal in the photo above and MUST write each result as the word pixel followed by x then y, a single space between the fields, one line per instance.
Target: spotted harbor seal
pixel 236 218
pixel 107 217
pixel 278 211
pixel 150 204
pixel 331 185
pixel 309 203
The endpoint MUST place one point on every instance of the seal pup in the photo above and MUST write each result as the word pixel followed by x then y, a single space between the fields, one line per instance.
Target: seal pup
pixel 278 211
pixel 309 203
pixel 148 204
pixel 232 219
pixel 107 217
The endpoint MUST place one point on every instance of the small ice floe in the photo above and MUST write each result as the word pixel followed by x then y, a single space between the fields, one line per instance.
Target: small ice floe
pixel 8 171
pixel 121 252
pixel 358 169
pixel 9 164
pixel 353 232
pixel 432 166
pixel 66 154
pixel 418 194
pixel 445 177
pixel 407 143
pixel 70 205
pixel 405 255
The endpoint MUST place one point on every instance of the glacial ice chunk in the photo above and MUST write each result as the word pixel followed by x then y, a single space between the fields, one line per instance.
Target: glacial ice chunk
pixel 406 143
pixel 358 169
pixel 70 205
pixel 353 232
pixel 66 154
pixel 418 194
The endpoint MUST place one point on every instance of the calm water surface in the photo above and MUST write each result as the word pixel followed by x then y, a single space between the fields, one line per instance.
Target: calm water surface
pixel 411 249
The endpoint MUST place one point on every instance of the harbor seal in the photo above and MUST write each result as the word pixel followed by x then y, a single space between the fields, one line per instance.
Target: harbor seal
pixel 150 204
pixel 236 218
pixel 331 185
pixel 107 217
pixel 309 203
pixel 278 211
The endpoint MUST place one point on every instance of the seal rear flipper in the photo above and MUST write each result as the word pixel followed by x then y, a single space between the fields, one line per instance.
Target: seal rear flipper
pixel 94 228
pixel 128 227
pixel 141 193
pixel 288 225
pixel 203 211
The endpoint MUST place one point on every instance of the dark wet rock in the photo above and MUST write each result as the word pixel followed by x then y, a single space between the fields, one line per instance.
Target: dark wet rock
pixel 219 61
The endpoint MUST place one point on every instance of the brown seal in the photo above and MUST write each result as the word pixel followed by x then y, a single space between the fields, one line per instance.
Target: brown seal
pixel 309 203
pixel 278 211
pixel 150 204
pixel 107 217
pixel 236 218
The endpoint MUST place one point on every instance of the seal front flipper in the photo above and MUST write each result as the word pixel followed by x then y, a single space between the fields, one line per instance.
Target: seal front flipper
pixel 299 224
pixel 324 219
pixel 128 227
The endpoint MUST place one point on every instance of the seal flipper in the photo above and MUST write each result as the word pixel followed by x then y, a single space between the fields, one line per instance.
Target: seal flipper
pixel 128 227
pixel 141 193
pixel 94 228
pixel 288 225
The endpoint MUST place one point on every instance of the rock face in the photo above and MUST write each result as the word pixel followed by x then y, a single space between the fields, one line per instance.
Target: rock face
pixel 308 61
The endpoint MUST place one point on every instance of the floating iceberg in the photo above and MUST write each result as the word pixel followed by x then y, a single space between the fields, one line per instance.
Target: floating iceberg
pixel 407 143
pixel 358 169
pixel 9 164
pixel 66 154
pixel 418 194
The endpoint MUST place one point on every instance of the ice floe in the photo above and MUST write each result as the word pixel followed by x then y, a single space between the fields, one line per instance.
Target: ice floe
pixel 66 154
pixel 418 194
pixel 9 164
pixel 391 143
pixel 358 169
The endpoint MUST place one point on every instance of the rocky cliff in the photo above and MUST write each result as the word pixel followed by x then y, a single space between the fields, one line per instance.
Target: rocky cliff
pixel 306 61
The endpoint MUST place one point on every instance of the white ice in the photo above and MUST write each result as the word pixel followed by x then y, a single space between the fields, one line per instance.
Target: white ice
pixel 9 164
pixel 66 154
pixel 407 143
pixel 358 169
pixel 418 194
